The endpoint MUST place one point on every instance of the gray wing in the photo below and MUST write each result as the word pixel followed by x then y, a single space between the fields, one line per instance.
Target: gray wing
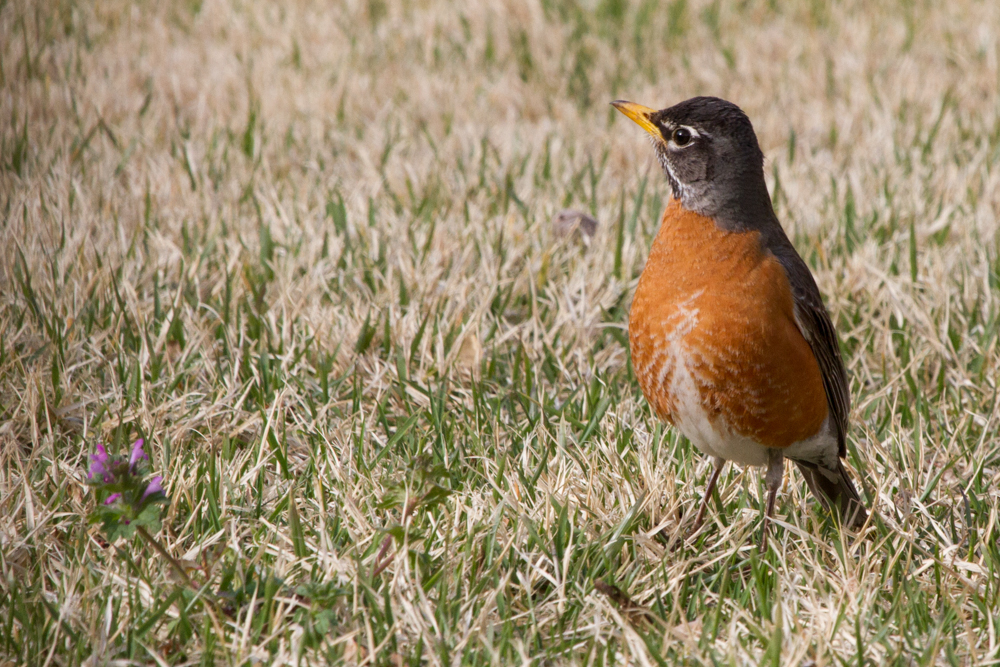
pixel 816 327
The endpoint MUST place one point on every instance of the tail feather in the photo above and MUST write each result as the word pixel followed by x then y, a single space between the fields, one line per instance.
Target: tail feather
pixel 834 489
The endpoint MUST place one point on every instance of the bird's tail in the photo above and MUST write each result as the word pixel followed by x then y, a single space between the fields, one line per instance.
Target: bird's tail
pixel 835 491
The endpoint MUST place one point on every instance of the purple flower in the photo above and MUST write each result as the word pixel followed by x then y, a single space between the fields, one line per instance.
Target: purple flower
pixel 130 499
pixel 154 486
pixel 136 455
pixel 99 466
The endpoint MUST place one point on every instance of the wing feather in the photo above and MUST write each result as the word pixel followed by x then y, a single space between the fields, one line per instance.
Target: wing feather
pixel 814 321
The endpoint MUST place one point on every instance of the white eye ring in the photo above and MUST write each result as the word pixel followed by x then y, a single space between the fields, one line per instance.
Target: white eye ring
pixel 682 136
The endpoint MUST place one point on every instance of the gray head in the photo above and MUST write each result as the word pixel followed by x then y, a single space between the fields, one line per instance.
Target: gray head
pixel 709 152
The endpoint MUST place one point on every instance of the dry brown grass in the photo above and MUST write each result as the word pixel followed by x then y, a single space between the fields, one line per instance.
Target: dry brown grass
pixel 275 238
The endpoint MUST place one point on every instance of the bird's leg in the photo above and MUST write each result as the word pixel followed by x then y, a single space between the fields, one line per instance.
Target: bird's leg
pixel 718 462
pixel 775 471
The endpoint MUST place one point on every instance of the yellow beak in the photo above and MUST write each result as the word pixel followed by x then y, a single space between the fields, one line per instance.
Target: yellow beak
pixel 640 114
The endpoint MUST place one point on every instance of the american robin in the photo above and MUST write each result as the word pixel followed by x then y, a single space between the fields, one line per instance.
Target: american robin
pixel 730 340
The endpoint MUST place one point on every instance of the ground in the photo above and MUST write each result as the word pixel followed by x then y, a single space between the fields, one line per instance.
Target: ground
pixel 307 251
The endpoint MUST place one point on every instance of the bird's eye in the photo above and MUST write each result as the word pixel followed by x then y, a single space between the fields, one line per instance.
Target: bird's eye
pixel 682 136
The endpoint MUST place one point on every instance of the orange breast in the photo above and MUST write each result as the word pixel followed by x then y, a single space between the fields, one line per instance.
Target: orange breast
pixel 713 305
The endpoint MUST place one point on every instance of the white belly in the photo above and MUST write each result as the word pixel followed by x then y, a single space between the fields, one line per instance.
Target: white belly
pixel 669 372
pixel 714 437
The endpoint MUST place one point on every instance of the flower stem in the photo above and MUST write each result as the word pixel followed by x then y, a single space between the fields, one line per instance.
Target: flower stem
pixel 210 606
pixel 163 552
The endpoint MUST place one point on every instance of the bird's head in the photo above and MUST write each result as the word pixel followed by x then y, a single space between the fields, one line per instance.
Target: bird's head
pixel 708 150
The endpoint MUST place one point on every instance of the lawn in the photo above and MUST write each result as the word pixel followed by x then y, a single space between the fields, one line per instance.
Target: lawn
pixel 306 251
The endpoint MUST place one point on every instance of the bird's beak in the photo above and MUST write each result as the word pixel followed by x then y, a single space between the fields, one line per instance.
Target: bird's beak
pixel 640 114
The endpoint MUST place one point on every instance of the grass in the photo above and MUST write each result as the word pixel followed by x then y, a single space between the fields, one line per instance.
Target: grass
pixel 305 251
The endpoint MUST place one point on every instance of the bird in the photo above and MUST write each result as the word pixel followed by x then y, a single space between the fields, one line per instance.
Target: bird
pixel 729 337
